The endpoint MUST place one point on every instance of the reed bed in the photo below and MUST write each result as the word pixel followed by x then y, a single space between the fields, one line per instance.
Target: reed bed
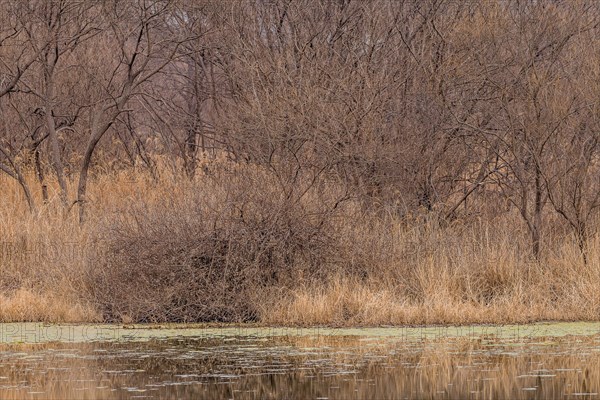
pixel 173 249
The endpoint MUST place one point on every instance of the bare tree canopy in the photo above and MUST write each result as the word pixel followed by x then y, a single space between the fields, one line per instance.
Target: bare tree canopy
pixel 454 109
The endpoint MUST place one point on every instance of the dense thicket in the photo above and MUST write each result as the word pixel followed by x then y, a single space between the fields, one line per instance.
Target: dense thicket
pixel 460 110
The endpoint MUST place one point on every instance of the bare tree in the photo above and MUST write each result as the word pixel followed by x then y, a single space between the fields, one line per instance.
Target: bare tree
pixel 144 48
pixel 529 100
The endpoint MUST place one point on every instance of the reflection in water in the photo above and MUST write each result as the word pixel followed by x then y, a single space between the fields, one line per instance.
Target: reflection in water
pixel 312 367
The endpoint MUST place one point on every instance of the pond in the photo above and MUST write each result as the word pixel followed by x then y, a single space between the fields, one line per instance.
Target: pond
pixel 549 360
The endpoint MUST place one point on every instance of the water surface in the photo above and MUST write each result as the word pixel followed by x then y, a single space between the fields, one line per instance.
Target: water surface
pixel 116 362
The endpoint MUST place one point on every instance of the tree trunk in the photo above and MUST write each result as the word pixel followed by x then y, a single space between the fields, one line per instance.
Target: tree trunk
pixel 581 233
pixel 98 130
pixel 16 175
pixel 40 175
pixel 55 155
pixel 537 215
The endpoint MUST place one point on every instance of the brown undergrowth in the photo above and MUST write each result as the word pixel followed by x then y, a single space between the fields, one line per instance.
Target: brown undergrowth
pixel 238 250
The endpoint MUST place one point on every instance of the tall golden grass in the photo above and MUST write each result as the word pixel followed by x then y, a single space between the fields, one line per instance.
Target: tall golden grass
pixel 376 268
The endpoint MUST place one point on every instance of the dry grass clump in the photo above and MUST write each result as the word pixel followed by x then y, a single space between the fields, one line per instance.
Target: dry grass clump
pixel 27 305
pixel 466 279
pixel 42 261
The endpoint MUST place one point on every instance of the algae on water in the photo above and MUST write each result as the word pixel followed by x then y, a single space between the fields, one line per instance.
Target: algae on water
pixel 29 332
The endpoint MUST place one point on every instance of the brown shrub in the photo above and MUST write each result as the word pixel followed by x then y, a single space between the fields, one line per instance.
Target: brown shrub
pixel 208 253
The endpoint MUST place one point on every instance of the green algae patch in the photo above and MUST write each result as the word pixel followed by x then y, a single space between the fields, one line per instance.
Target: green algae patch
pixel 11 333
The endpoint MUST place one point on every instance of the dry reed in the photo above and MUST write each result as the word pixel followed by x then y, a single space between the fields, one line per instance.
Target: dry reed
pixel 364 269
